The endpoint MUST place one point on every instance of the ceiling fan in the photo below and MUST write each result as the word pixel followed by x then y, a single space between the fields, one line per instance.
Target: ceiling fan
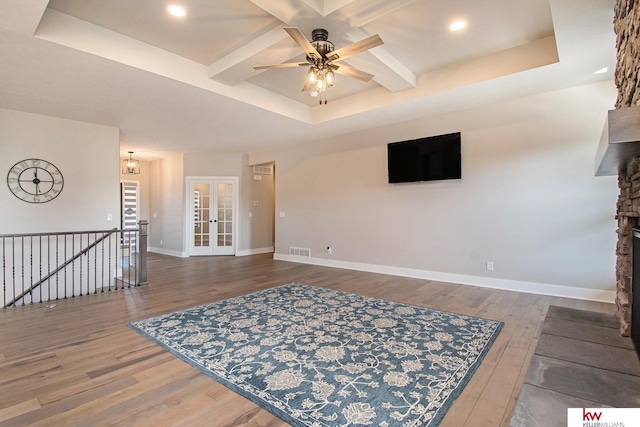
pixel 324 60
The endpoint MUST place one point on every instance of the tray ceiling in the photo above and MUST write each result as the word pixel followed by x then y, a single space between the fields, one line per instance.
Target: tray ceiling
pixel 214 48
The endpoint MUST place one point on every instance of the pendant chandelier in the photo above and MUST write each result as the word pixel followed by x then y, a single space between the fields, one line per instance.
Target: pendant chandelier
pixel 131 166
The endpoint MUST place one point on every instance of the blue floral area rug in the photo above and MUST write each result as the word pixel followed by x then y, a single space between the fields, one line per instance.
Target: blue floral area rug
pixel 320 357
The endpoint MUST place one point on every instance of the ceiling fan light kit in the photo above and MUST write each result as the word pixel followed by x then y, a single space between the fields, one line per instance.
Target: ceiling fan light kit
pixel 323 59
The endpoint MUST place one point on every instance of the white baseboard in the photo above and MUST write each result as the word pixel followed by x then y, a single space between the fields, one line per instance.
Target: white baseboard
pixel 484 282
pixel 168 252
pixel 257 251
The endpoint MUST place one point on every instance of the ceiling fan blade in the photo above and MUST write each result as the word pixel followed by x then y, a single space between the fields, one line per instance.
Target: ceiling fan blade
pixel 302 41
pixel 285 65
pixel 355 48
pixel 347 70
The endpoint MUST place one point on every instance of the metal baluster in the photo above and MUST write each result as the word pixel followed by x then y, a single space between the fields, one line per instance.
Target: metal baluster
pixel 22 266
pixel 88 255
pixel 57 265
pixel 118 252
pixel 65 266
pixel 13 264
pixel 132 260
pixel 95 265
pixel 40 265
pixel 4 273
pixel 80 263
pixel 31 269
pixel 126 248
pixel 49 267
pixel 109 262
pixel 102 261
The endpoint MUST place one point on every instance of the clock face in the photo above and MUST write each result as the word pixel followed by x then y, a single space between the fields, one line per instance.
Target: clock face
pixel 35 181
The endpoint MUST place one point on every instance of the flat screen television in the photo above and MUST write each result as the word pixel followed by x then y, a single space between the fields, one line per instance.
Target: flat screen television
pixel 425 159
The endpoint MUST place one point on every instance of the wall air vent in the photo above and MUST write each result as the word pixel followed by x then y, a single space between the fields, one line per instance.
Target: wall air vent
pixel 299 251
pixel 262 169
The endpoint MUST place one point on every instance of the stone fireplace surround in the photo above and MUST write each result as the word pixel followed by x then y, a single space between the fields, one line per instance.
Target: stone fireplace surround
pixel 627 78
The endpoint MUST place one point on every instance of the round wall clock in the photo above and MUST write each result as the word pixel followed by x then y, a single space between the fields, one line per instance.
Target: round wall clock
pixel 35 181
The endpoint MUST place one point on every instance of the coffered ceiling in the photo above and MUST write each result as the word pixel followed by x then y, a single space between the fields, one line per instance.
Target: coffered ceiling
pixel 188 83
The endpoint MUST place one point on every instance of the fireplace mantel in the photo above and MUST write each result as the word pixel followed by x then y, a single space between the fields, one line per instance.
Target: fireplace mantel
pixel 620 141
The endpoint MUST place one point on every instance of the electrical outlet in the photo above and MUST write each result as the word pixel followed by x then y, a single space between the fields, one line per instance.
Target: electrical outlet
pixel 329 250
pixel 490 265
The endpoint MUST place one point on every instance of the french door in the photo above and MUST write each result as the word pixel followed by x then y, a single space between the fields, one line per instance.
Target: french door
pixel 212 215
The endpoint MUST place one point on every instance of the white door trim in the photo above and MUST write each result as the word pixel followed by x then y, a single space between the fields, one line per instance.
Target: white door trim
pixel 190 214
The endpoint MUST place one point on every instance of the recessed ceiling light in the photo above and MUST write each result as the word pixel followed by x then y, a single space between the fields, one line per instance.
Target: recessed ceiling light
pixel 176 10
pixel 602 70
pixel 457 25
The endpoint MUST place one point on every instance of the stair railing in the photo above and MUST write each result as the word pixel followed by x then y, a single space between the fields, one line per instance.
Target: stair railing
pixel 44 267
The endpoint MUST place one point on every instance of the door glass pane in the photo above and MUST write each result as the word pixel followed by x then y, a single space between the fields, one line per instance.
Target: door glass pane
pixel 225 214
pixel 202 214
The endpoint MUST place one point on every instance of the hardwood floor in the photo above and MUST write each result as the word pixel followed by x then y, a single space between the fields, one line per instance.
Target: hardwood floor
pixel 79 364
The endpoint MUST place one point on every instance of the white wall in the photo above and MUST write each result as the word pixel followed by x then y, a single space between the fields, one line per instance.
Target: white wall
pixel 255 232
pixel 167 195
pixel 88 157
pixel 258 222
pixel 528 200
pixel 166 203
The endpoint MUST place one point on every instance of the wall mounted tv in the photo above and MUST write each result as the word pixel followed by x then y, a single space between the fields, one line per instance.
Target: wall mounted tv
pixel 425 159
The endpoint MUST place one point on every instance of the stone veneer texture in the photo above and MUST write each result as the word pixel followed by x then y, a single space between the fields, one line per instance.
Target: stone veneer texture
pixel 627 77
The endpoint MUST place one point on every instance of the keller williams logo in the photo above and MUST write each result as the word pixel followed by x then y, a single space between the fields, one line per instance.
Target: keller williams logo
pixel 603 417
pixel 590 416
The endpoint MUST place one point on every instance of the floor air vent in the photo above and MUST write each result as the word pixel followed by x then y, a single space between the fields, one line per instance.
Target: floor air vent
pixel 299 251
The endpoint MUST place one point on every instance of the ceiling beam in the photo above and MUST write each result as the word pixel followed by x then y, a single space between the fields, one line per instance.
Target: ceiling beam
pixel 361 12
pixel 326 7
pixel 401 77
pixel 23 16
pixel 254 47
pixel 288 11
pixel 316 5
pixel 331 6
